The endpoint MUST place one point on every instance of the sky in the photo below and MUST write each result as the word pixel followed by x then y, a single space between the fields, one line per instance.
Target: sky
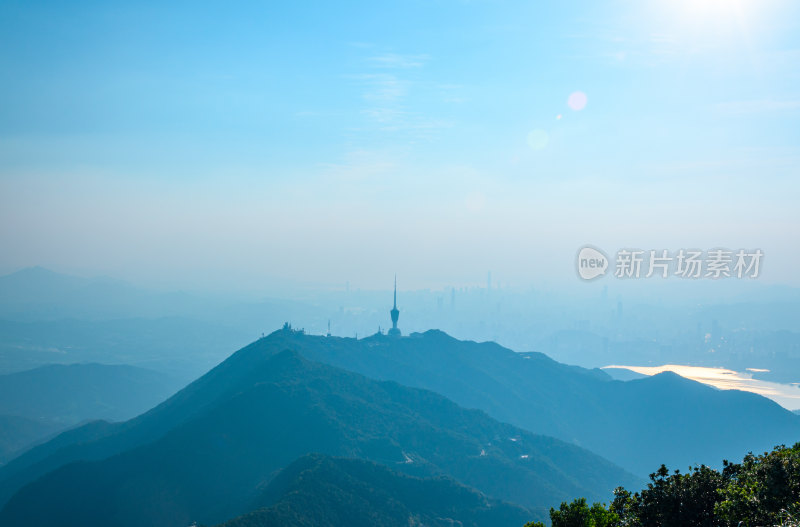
pixel 240 143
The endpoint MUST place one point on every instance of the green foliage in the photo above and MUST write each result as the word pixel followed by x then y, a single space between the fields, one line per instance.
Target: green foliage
pixel 679 499
pixel 579 514
pixel 762 491
pixel 321 490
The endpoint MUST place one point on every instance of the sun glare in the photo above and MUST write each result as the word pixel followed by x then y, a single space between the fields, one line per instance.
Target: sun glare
pixel 714 17
pixel 699 26
pixel 713 8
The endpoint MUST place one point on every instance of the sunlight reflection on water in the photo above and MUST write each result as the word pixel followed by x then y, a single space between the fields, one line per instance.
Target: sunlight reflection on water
pixel 787 395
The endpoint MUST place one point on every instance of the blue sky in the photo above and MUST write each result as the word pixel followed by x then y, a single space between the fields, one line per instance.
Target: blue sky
pixel 246 142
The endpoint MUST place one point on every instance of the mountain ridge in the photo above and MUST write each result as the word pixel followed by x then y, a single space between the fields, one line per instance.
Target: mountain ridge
pixel 687 422
pixel 302 407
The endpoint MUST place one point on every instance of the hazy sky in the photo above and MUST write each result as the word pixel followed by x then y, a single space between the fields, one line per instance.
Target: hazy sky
pixel 243 142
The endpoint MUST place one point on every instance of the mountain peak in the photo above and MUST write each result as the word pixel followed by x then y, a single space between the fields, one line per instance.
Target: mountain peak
pixel 435 334
pixel 35 270
pixel 266 406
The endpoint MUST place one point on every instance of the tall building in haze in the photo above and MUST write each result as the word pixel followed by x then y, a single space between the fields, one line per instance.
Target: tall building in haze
pixel 395 313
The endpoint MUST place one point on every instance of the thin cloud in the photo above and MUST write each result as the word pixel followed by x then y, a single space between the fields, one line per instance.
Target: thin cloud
pixel 453 93
pixel 388 95
pixel 382 87
pixel 759 106
pixel 397 61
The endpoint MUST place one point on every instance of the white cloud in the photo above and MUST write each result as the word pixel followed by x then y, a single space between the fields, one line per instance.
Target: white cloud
pixel 397 61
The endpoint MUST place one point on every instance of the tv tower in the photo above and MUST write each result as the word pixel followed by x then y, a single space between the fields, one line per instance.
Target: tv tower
pixel 395 313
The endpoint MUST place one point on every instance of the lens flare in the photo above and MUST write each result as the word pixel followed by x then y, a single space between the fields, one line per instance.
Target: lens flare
pixel 538 139
pixel 577 100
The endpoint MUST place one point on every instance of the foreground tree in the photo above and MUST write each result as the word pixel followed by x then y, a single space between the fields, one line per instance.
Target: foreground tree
pixel 762 491
pixel 673 500
pixel 579 514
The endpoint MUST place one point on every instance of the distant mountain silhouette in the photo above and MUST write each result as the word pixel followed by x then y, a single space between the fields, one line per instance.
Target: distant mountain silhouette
pixel 42 293
pixel 34 284
pixel 48 317
pixel 335 492
pixel 72 393
pixel 36 294
pixel 637 424
pixel 18 433
pixel 182 348
pixel 623 374
pixel 39 294
pixel 203 454
pixel 37 403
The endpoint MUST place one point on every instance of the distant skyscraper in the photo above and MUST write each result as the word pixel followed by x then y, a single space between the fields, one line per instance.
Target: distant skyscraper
pixel 394 332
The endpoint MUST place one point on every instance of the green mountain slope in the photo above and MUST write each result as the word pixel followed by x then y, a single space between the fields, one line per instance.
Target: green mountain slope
pixel 637 424
pixel 319 490
pixel 202 455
